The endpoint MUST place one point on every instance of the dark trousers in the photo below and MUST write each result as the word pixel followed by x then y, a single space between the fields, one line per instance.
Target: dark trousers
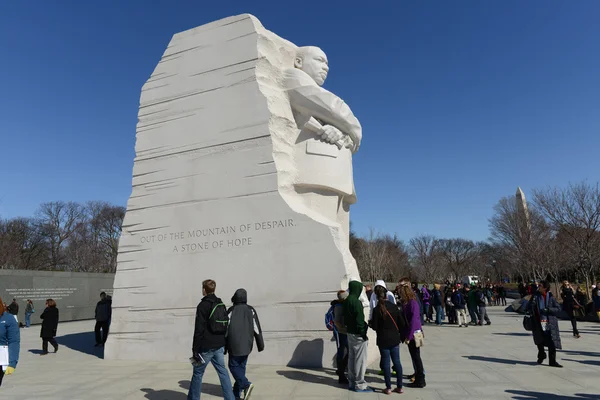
pixel 503 300
pixel 101 338
pixel 415 355
pixel 392 353
pixel 551 351
pixel 473 314
pixel 45 342
pixel 571 315
pixel 1 375
pixel 237 367
pixel 341 357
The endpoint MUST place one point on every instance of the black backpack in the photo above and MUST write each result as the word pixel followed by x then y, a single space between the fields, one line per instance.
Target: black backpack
pixel 218 320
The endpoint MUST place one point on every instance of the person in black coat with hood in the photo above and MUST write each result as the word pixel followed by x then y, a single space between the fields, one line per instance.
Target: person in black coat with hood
pixel 244 329
pixel 49 326
pixel 543 309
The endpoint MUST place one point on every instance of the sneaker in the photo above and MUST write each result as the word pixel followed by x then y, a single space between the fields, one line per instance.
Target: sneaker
pixel 248 392
pixel 365 390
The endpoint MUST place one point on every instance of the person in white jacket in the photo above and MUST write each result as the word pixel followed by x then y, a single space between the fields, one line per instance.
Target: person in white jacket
pixel 373 300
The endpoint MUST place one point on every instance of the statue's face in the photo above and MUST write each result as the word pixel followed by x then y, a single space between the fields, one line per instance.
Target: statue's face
pixel 313 61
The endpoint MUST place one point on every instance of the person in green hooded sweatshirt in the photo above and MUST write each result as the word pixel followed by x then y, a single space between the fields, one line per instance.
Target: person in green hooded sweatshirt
pixel 356 326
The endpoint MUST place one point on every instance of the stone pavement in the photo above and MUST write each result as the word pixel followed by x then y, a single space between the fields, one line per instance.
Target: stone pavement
pixel 493 362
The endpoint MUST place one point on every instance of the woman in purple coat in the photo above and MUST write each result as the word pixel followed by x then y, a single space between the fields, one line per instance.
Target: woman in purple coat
pixel 411 309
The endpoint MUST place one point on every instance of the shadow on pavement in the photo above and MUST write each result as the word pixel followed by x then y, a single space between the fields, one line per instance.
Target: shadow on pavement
pixel 587 362
pixel 500 360
pixel 306 376
pixel 513 334
pixel 35 351
pixel 525 395
pixel 581 353
pixel 82 342
pixel 161 394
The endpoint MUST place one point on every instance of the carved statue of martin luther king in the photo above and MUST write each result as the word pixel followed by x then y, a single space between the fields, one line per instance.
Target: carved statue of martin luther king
pixel 329 134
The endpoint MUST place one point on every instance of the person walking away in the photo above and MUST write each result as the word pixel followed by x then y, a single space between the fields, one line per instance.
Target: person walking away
pixel 568 304
pixel 208 344
pixel 426 296
pixel 459 305
pixel 543 308
pixel 29 309
pixel 502 294
pixel 387 322
pixel 354 318
pixel 10 340
pixel 437 302
pixel 410 307
pixel 472 304
pixel 103 316
pixel 341 336
pixel 13 309
pixel 244 329
pixel 49 326
pixel 480 296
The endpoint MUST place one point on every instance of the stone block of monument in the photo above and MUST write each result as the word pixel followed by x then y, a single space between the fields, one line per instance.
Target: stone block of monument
pixel 242 174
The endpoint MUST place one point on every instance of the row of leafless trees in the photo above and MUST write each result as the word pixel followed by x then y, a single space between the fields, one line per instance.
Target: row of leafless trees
pixel 63 236
pixel 557 236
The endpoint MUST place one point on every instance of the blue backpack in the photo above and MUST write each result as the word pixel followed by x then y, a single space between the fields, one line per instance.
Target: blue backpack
pixel 329 319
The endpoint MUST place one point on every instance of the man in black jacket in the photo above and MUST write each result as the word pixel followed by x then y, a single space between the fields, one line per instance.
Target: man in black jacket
pixel 244 328
pixel 103 314
pixel 209 342
pixel 13 308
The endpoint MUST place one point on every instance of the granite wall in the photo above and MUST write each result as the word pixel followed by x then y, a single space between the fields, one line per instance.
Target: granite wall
pixel 76 293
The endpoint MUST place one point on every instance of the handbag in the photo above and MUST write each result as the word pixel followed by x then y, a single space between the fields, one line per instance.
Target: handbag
pixel 419 339
pixel 528 323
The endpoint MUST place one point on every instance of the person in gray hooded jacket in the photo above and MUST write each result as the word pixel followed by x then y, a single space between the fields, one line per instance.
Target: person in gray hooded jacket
pixel 244 328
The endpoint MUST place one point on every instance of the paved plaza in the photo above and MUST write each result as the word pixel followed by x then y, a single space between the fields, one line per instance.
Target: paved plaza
pixel 493 362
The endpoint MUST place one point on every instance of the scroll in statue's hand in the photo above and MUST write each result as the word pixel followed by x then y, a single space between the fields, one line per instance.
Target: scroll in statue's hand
pixel 331 134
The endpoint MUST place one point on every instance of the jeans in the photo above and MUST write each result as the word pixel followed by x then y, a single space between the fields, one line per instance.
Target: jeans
pixel 101 339
pixel 392 353
pixel 473 314
pixel 28 319
pixel 357 361
pixel 217 358
pixel 237 367
pixel 483 315
pixel 341 357
pixel 415 355
pixel 438 315
pixel 426 306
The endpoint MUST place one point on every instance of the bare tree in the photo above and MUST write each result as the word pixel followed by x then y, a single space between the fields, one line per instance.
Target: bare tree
pixel 425 254
pixel 459 255
pixel 574 213
pixel 57 222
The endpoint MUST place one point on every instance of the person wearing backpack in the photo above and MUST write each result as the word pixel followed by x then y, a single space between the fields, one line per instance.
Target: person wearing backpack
pixel 387 321
pixel 244 328
pixel 459 306
pixel 334 321
pixel 480 296
pixel 209 342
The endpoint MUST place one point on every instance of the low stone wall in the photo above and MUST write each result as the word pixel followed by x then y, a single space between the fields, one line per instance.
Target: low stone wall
pixel 75 293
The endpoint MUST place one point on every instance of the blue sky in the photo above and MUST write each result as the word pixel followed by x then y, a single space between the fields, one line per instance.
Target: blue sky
pixel 460 101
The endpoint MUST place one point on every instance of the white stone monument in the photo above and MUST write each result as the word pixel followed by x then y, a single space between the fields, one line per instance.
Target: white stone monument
pixel 242 174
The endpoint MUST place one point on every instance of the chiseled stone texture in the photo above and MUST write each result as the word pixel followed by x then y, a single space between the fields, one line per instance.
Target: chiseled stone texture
pixel 214 197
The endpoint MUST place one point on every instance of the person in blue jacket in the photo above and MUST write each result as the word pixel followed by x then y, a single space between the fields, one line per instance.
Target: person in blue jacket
pixel 11 337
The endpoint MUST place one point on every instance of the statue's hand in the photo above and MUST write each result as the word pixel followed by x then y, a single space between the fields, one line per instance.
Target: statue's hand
pixel 331 134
